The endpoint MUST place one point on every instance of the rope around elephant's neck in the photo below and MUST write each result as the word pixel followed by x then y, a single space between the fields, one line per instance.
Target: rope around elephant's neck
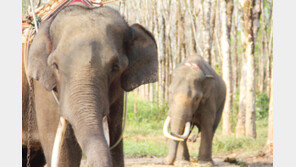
pixel 30 81
pixel 34 16
pixel 29 126
pixel 124 120
pixel 55 97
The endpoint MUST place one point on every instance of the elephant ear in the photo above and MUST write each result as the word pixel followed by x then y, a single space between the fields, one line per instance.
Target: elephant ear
pixel 208 86
pixel 143 60
pixel 37 58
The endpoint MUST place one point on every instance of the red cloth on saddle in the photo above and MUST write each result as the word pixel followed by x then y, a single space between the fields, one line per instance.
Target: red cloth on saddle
pixel 192 65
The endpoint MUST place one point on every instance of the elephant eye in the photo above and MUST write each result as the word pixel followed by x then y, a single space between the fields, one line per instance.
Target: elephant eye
pixel 115 67
pixel 198 96
pixel 54 65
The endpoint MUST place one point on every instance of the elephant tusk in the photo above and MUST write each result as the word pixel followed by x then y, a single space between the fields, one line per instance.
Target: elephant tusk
pixel 58 142
pixel 166 133
pixel 186 131
pixel 106 130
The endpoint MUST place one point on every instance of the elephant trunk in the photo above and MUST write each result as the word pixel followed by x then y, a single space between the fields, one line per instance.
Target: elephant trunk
pixel 95 147
pixel 85 109
pixel 172 152
pixel 177 128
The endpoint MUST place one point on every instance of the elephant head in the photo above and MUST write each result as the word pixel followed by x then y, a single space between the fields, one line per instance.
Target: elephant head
pixel 190 87
pixel 88 55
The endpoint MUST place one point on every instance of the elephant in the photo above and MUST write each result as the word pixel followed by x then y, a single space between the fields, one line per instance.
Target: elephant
pixel 197 96
pixel 87 56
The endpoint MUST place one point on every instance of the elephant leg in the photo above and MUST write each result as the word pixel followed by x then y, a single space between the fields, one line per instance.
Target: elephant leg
pixel 183 153
pixel 205 149
pixel 47 121
pixel 207 133
pixel 115 130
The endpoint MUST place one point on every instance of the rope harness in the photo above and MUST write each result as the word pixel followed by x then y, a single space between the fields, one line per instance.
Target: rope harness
pixel 29 29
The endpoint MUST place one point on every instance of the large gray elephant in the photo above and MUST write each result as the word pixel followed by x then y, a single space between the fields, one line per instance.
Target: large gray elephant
pixel 197 95
pixel 89 57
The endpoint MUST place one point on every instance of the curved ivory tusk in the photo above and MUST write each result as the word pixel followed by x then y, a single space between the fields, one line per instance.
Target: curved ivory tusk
pixel 106 130
pixel 58 142
pixel 166 128
pixel 186 131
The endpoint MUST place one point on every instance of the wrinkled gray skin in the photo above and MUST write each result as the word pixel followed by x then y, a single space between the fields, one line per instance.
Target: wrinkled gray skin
pixel 197 96
pixel 89 56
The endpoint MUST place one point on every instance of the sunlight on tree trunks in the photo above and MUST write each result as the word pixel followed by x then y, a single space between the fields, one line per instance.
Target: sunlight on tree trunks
pixel 247 6
pixel 227 71
pixel 269 144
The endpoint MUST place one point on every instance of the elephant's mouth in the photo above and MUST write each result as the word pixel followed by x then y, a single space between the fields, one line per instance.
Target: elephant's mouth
pixel 174 136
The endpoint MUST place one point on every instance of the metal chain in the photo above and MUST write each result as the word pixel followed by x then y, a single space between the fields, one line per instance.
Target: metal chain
pixel 31 107
pixel 31 93
pixel 30 112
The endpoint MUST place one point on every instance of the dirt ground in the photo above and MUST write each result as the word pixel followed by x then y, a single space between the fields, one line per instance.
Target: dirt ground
pixel 219 162
pixel 255 161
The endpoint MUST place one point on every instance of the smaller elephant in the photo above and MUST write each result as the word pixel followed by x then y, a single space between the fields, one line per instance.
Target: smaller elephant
pixel 197 96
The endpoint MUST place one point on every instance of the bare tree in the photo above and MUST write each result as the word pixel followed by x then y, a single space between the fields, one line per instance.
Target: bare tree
pixel 248 44
pixel 207 27
pixel 241 117
pixel 256 13
pixel 234 51
pixel 269 144
pixel 226 15
pixel 262 57
pixel 269 59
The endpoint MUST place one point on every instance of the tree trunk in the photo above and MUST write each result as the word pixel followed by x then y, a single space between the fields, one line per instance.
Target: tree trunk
pixel 207 27
pixel 180 33
pixel 262 58
pixel 249 52
pixel 217 32
pixel 234 54
pixel 269 144
pixel 256 13
pixel 241 117
pixel 269 54
pixel 227 71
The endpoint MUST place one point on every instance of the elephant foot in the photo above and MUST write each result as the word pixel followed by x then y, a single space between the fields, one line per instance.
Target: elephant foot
pixel 206 163
pixel 182 163
pixel 170 160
